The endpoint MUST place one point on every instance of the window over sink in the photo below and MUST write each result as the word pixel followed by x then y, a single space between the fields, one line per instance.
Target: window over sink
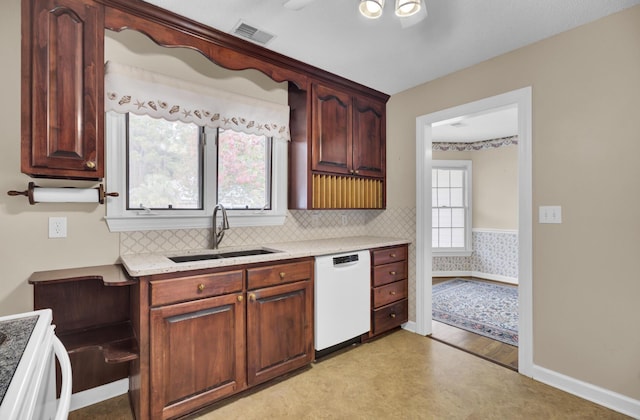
pixel 173 173
pixel 175 149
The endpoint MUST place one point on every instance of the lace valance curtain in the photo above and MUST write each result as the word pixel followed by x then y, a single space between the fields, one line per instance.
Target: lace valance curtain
pixel 139 91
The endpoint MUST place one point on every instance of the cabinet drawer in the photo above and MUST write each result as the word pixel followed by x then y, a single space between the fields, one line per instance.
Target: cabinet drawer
pixel 279 274
pixel 389 273
pixel 390 316
pixel 387 255
pixel 195 287
pixel 389 293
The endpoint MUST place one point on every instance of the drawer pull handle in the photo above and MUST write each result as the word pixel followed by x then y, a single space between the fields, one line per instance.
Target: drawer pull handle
pixel 392 315
pixel 393 255
pixel 282 274
pixel 201 287
pixel 252 297
pixel 393 273
pixel 392 293
pixel 240 298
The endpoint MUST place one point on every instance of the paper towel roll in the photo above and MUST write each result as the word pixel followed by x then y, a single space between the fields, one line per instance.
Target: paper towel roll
pixel 66 195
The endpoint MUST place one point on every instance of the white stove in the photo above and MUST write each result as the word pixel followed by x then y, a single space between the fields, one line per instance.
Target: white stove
pixel 28 348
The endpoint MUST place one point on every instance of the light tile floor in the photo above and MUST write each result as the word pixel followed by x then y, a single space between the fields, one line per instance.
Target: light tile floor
pixel 400 376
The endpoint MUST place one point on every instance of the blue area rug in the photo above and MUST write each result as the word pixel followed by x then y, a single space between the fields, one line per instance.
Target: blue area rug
pixel 483 308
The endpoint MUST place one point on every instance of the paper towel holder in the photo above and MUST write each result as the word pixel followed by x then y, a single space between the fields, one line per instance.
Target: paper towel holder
pixel 29 193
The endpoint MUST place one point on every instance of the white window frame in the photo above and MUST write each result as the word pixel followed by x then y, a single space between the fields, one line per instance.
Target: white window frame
pixel 119 219
pixel 468 220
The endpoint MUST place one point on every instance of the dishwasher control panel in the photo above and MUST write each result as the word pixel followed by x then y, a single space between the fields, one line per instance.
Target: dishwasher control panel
pixel 345 259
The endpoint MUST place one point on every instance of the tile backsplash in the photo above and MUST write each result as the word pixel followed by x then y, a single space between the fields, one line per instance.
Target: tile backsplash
pixel 300 225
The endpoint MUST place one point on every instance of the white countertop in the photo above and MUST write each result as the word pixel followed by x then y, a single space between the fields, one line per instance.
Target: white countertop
pixel 156 263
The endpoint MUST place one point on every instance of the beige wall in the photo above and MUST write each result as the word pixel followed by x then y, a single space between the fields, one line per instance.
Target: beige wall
pixel 494 185
pixel 25 247
pixel 586 143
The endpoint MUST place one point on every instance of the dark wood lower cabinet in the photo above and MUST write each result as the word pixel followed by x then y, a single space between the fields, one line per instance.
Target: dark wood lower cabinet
pixel 197 353
pixel 279 330
pixel 212 333
pixel 91 311
pixel 389 289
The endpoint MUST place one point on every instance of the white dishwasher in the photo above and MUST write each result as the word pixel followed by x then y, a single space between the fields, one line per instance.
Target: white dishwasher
pixel 342 298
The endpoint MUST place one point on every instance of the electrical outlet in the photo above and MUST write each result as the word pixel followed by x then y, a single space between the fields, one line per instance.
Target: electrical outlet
pixel 57 227
pixel 550 214
pixel 344 219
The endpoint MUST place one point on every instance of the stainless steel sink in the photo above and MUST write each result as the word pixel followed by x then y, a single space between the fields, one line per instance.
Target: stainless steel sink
pixel 221 255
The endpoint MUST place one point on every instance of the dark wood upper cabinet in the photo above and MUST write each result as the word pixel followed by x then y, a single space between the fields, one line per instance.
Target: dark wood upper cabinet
pixel 331 130
pixel 62 89
pixel 348 133
pixel 369 137
pixel 338 126
pixel 337 156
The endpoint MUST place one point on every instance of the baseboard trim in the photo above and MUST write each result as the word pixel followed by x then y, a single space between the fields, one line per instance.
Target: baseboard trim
pixel 486 276
pixel 410 326
pixel 494 277
pixel 100 393
pixel 593 393
pixel 451 274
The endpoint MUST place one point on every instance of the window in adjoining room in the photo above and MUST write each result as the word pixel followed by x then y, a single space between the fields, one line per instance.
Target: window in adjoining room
pixel 451 207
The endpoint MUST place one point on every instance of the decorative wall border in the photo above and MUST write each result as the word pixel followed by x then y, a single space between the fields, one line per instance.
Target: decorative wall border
pixel 474 146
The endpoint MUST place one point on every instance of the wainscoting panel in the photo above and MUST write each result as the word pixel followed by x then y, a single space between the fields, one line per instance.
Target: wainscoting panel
pixel 494 257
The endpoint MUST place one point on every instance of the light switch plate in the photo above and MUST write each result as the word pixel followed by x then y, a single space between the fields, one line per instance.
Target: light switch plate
pixel 550 214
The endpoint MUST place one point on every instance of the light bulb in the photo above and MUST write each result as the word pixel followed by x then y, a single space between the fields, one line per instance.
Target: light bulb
pixel 371 9
pixel 406 8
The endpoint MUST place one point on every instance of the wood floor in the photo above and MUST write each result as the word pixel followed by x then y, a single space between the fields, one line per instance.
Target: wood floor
pixel 484 347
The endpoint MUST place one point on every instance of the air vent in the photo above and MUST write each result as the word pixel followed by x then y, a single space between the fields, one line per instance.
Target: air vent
pixel 252 33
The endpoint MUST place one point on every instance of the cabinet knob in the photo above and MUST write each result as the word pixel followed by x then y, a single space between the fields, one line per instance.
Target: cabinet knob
pixel 252 297
pixel 392 293
pixel 392 315
pixel 201 287
pixel 351 171
pixel 356 172
pixel 282 274
pixel 90 164
pixel 393 273
pixel 240 298
pixel 392 255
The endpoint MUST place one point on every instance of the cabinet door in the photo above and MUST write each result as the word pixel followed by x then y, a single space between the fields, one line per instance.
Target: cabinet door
pixel 369 133
pixel 279 330
pixel 331 149
pixel 197 353
pixel 62 89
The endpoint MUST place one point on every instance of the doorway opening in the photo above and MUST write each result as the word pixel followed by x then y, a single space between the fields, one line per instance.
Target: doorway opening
pixel 474 234
pixel 521 100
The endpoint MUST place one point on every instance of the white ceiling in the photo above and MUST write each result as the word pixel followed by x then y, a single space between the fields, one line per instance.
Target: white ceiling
pixel 332 35
pixel 493 124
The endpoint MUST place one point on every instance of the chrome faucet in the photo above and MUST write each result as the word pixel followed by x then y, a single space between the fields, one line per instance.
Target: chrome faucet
pixel 219 234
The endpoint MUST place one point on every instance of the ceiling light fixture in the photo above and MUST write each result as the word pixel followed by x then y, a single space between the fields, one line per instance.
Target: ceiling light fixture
pixel 372 9
pixel 406 8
